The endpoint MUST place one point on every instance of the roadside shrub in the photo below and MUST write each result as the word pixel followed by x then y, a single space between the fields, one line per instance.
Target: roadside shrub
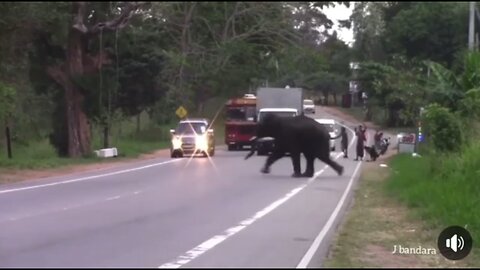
pixel 470 104
pixel 443 128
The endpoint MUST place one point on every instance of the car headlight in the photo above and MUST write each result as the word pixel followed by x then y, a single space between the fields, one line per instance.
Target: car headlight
pixel 201 143
pixel 177 143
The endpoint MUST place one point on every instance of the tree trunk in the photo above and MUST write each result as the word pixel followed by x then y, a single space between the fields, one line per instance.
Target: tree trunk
pixel 79 137
pixel 325 98
pixel 78 63
pixel 200 107
pixel 9 142
pixel 106 142
pixel 78 127
pixel 138 123
pixel 335 99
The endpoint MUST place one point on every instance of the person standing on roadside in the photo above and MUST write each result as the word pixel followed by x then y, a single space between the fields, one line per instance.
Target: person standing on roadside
pixel 361 138
pixel 344 141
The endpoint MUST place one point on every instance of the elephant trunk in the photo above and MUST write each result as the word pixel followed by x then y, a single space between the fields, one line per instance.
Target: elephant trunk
pixel 254 142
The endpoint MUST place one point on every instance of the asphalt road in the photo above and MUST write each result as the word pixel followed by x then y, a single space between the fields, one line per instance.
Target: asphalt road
pixel 218 212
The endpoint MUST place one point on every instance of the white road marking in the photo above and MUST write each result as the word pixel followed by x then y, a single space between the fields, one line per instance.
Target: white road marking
pixel 72 207
pixel 136 192
pixel 89 177
pixel 318 240
pixel 212 242
pixel 112 198
pixel 217 239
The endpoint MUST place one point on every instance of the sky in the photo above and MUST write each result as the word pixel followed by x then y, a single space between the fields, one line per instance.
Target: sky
pixel 341 12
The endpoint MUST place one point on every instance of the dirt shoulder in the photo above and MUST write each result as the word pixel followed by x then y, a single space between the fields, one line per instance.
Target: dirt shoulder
pixel 375 223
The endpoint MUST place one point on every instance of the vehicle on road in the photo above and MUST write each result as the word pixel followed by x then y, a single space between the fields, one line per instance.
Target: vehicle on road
pixel 191 137
pixel 240 121
pixel 264 148
pixel 308 106
pixel 332 129
pixel 284 102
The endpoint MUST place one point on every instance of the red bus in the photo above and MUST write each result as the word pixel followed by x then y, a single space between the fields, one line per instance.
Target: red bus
pixel 240 121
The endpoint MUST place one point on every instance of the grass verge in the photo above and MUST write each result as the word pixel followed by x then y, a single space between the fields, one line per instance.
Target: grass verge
pixel 400 205
pixel 41 155
pixel 124 136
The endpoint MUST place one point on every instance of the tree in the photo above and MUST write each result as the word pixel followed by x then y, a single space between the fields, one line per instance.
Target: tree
pixel 437 32
pixel 7 106
pixel 368 24
pixel 68 58
pixel 449 89
pixel 398 87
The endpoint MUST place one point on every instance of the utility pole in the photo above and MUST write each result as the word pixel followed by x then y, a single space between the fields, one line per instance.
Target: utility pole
pixel 471 27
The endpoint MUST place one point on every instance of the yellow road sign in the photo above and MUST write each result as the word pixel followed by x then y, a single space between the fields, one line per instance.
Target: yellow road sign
pixel 181 112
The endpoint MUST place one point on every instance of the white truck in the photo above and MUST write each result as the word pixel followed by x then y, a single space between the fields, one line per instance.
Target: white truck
pixel 284 102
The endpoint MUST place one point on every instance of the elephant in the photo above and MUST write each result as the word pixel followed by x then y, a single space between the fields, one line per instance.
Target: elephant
pixel 295 135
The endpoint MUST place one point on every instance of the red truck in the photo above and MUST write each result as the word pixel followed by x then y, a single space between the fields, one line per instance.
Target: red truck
pixel 240 121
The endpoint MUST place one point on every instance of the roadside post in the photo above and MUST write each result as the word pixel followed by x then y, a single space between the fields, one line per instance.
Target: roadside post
pixel 420 137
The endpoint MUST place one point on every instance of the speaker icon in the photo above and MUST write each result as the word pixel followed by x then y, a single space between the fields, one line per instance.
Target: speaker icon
pixel 455 243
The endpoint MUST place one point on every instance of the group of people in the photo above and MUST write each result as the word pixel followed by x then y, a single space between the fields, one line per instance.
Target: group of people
pixel 361 134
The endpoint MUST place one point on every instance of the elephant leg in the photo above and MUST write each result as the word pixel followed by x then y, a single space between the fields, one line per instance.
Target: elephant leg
pixel 274 156
pixel 296 164
pixel 309 171
pixel 337 167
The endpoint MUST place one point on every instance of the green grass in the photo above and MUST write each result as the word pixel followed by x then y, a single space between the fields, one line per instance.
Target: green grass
pixel 378 220
pixel 442 190
pixel 130 144
pixel 41 155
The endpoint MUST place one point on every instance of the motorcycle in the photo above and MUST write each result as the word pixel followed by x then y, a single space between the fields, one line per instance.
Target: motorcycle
pixel 384 144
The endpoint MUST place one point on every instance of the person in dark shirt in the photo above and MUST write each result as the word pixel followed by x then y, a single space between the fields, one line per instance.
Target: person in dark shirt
pixel 378 140
pixel 344 141
pixel 361 138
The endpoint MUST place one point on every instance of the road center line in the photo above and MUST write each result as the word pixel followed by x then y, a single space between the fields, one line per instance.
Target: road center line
pixel 89 177
pixel 112 198
pixel 217 239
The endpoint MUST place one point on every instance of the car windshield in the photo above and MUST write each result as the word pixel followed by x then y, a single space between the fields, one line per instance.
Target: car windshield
pixel 240 113
pixel 191 128
pixel 308 102
pixel 281 114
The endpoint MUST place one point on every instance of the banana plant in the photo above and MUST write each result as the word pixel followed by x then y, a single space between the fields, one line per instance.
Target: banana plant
pixel 449 89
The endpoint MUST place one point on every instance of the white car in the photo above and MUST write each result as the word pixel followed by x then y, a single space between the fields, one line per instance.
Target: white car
pixel 192 136
pixel 332 129
pixel 308 106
